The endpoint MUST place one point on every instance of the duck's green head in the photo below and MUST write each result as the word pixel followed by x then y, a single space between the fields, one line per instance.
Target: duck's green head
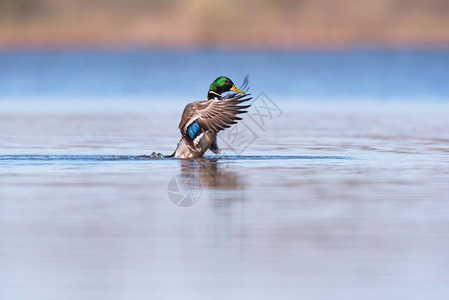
pixel 223 84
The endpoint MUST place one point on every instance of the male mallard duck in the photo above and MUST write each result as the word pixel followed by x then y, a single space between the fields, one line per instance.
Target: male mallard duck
pixel 202 120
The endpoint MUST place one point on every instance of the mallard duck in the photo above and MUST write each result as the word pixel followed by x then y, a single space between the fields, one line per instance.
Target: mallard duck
pixel 202 120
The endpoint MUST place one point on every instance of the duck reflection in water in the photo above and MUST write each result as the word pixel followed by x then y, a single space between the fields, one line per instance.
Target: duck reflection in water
pixel 211 173
pixel 215 176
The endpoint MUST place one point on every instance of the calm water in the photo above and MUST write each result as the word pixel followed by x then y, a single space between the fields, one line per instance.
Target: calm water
pixel 341 193
pixel 357 74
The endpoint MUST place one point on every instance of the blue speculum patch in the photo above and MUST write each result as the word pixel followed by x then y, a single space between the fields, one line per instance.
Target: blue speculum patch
pixel 193 129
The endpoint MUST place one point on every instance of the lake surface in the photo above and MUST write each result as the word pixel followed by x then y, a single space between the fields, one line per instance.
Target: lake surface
pixel 152 74
pixel 339 191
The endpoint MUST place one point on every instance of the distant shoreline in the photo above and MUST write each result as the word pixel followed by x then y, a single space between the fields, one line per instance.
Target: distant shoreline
pixel 93 45
pixel 252 24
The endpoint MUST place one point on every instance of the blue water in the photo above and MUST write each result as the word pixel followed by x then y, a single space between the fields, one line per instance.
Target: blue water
pixel 345 198
pixel 355 74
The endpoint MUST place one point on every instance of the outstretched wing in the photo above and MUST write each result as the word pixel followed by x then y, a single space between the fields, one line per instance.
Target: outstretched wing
pixel 211 115
pixel 217 115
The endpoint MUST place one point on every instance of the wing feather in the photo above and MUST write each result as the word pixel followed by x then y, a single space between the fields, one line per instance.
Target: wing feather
pixel 221 114
pixel 214 115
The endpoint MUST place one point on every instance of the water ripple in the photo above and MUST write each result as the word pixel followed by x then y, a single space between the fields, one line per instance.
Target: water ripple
pixel 158 156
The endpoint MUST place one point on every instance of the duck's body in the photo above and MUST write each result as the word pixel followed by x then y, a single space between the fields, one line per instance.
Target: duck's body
pixel 202 120
pixel 183 151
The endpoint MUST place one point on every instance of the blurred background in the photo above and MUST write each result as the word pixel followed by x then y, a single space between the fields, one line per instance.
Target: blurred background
pixel 376 50
pixel 276 24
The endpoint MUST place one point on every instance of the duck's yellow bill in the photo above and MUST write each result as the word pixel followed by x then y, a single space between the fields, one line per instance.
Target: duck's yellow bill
pixel 234 89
